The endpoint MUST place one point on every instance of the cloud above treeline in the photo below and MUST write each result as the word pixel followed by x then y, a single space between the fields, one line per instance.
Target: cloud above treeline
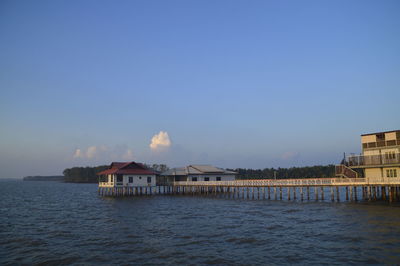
pixel 104 152
pixel 160 141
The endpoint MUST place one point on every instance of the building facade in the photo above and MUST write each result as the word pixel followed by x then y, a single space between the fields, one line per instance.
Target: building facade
pixel 127 174
pixel 380 158
pixel 199 173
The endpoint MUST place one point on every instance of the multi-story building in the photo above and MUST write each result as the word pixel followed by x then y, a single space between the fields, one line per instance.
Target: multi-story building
pixel 380 158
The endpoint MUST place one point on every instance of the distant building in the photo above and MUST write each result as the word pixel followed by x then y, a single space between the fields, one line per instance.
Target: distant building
pixel 122 174
pixel 380 159
pixel 199 173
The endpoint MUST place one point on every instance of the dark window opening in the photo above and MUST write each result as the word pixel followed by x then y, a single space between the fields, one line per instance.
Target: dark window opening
pixel 149 179
pixel 131 179
pixel 206 179
pixel 119 178
pixel 194 178
pixel 380 137
pixel 218 178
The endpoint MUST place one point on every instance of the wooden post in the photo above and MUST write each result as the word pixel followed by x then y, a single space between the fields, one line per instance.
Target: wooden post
pixel 355 193
pixel 351 193
pixel 301 193
pixel 288 193
pixel 384 193
pixel 294 193
pixel 332 195
pixel 316 193
pixel 337 194
pixel 280 191
pixel 322 194
pixel 308 193
pixel 390 194
pixel 347 193
pixel 269 193
pixel 275 194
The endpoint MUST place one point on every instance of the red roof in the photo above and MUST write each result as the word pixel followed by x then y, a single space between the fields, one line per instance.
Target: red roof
pixel 127 168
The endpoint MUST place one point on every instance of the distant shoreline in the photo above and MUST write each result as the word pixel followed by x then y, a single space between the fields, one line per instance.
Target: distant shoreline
pixel 58 178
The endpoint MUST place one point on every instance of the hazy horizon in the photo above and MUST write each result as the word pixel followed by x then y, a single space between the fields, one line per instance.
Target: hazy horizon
pixel 235 84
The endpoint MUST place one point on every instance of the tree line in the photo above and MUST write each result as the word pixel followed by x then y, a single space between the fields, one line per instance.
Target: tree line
pixel 317 171
pixel 88 174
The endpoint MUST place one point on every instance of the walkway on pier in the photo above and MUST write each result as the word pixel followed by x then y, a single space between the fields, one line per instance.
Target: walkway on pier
pixel 382 189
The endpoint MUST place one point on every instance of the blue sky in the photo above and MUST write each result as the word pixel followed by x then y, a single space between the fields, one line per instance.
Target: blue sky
pixel 231 83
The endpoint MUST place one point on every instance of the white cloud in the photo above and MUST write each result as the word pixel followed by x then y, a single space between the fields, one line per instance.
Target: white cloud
pixel 91 152
pixel 160 140
pixel 104 153
pixel 78 153
pixel 128 155
pixel 289 155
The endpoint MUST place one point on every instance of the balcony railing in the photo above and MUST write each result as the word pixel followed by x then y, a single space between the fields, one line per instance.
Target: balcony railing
pixel 381 143
pixel 366 160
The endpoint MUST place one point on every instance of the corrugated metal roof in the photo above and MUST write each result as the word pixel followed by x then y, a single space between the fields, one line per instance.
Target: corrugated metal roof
pixel 380 132
pixel 207 168
pixel 197 170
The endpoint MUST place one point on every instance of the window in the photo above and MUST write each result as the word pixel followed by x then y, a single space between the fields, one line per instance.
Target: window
pixel 206 179
pixel 391 172
pixel 119 178
pixel 140 177
pixel 194 178
pixel 218 178
pixel 112 179
pixel 131 179
pixel 149 179
pixel 390 155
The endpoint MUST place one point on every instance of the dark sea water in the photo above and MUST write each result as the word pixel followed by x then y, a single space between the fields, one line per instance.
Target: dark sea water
pixel 58 223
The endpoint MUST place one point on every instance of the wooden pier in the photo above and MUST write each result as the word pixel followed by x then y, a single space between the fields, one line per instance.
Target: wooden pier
pixel 318 189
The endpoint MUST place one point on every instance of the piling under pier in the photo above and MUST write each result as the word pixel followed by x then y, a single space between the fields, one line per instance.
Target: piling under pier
pixel 262 189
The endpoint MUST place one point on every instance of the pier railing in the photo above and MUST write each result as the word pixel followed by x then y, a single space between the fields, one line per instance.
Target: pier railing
pixel 277 182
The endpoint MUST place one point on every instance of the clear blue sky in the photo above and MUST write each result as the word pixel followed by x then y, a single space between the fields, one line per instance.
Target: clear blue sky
pixel 233 83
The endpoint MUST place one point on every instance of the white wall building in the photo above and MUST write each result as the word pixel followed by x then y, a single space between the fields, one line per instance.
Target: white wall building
pixel 129 174
pixel 199 173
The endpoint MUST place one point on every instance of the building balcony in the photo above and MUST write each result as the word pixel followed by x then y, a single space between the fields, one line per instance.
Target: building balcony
pixel 363 161
pixel 381 143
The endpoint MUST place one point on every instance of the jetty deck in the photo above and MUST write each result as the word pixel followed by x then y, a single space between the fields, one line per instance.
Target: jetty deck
pixel 387 189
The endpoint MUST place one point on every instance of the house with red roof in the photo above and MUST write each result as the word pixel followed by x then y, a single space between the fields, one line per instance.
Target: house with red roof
pixel 127 174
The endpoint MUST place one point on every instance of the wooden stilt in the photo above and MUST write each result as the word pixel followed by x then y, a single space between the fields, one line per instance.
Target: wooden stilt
pixel 337 194
pixel 355 193
pixel 301 193
pixel 322 194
